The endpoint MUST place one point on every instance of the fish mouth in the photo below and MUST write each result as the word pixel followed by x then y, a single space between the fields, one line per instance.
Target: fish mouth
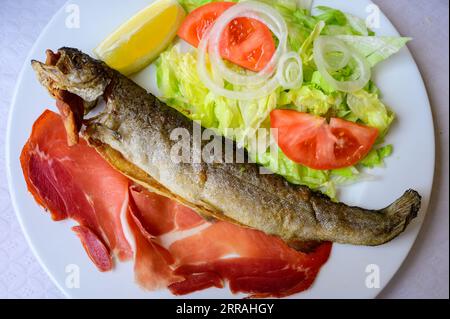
pixel 48 74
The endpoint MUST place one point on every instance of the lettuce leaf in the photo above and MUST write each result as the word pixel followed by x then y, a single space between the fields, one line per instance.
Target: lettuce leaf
pixel 298 19
pixel 309 99
pixel 375 49
pixel 358 24
pixel 318 80
pixel 305 4
pixel 306 48
pixel 338 22
pixel 376 156
pixel 367 108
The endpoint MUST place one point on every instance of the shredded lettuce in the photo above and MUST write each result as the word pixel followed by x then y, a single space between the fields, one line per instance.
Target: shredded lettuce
pixel 376 156
pixel 305 4
pixel 375 49
pixel 309 99
pixel 300 23
pixel 358 24
pixel 181 88
pixel 307 46
pixel 318 80
pixel 368 108
pixel 339 23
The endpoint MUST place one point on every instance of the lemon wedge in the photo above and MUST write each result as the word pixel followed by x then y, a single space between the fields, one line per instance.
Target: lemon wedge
pixel 137 42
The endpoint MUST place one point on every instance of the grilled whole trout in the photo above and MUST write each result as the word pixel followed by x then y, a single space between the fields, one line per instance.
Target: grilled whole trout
pixel 133 134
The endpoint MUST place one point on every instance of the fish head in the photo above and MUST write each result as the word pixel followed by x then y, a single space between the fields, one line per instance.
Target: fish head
pixel 76 82
pixel 70 70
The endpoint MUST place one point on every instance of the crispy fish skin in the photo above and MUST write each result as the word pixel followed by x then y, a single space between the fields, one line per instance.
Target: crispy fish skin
pixel 133 134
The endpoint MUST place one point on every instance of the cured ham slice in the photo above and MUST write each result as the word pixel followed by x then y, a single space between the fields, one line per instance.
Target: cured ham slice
pixel 209 254
pixel 173 246
pixel 160 215
pixel 75 182
pixel 94 247
pixel 152 262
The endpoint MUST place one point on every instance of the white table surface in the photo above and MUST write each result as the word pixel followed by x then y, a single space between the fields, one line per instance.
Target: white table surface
pixel 425 273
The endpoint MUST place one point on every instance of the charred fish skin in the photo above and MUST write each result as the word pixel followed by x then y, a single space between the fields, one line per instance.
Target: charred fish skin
pixel 137 126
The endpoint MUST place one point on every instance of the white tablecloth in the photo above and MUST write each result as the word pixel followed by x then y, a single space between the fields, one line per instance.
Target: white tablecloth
pixel 425 273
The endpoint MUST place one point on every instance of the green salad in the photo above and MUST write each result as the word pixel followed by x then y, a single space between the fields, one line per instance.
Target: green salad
pixel 182 89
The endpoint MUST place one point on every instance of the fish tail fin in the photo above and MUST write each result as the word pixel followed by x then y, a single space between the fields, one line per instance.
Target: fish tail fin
pixel 404 209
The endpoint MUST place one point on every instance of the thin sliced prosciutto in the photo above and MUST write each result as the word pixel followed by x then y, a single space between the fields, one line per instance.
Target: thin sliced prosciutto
pixel 174 247
pixel 75 182
pixel 94 247
pixel 207 254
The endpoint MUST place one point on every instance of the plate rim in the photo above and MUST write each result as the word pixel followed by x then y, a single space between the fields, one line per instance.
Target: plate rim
pixel 14 198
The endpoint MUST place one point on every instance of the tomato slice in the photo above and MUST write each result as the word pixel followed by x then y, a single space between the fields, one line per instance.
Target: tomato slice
pixel 245 42
pixel 311 141
pixel 199 20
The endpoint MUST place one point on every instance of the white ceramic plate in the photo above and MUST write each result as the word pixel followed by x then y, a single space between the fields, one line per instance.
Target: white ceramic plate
pixel 345 274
